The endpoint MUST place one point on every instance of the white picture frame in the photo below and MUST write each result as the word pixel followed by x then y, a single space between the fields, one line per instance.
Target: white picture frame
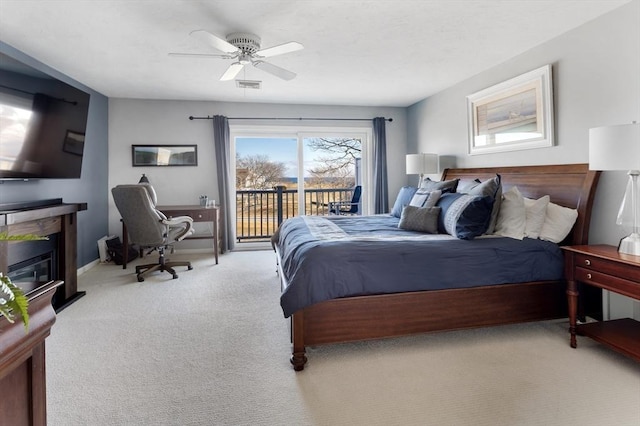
pixel 513 115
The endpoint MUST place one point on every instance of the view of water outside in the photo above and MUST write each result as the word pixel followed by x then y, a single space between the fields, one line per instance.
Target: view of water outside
pixel 263 164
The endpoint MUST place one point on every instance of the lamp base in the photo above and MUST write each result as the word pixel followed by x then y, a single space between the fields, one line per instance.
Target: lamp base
pixel 630 244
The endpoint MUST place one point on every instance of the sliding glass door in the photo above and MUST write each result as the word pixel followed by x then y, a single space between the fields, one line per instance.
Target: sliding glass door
pixel 280 173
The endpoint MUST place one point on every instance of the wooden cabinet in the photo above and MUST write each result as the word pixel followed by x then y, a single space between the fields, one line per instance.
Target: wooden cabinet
pixel 59 219
pixel 603 267
pixel 23 394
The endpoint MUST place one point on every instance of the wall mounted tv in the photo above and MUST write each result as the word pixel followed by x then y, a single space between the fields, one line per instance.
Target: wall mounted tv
pixel 43 123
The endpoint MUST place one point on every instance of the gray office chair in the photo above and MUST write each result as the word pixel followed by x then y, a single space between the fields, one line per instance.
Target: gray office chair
pixel 147 227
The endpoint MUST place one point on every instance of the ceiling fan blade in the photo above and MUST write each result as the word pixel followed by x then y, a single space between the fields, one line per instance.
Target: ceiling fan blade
pixel 201 55
pixel 275 70
pixel 291 46
pixel 232 71
pixel 214 41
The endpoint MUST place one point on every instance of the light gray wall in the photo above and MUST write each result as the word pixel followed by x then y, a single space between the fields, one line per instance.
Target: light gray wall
pixel 91 188
pixel 596 76
pixel 134 121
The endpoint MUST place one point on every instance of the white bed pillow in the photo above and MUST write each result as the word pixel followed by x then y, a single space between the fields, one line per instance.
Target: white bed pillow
pixel 536 211
pixel 512 215
pixel 558 222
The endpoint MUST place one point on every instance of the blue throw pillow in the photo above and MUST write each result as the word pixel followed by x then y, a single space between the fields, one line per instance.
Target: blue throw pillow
pixel 492 187
pixel 464 216
pixel 404 198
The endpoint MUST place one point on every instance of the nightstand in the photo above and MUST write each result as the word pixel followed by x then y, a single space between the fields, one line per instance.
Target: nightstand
pixel 603 267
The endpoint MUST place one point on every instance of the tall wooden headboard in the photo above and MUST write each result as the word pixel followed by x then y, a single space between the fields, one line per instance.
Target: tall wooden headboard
pixel 569 185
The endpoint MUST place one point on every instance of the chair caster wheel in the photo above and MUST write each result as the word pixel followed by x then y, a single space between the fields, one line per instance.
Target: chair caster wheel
pixel 175 276
pixel 140 279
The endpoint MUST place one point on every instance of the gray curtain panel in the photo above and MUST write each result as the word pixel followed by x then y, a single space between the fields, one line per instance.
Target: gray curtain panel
pixel 380 186
pixel 222 146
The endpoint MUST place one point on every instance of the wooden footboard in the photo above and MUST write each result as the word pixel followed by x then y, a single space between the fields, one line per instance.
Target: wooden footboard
pixel 389 315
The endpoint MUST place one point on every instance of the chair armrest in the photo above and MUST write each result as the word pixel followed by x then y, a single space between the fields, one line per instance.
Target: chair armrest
pixel 339 204
pixel 178 222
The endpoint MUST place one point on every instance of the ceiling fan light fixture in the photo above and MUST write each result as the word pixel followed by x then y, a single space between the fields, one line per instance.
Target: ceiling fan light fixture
pixel 244 59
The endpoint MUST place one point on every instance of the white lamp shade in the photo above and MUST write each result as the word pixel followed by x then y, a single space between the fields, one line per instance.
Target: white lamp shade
pixel 419 164
pixel 615 147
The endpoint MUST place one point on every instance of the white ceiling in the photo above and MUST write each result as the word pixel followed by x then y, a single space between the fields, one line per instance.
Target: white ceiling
pixel 357 52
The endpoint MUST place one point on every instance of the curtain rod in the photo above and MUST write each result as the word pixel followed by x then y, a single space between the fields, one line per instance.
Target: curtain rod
pixel 284 118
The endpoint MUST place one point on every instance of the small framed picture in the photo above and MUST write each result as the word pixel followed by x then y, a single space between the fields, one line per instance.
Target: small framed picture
pixel 73 143
pixel 164 155
pixel 515 114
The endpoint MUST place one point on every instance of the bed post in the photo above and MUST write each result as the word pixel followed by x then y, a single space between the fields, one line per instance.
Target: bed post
pixel 298 357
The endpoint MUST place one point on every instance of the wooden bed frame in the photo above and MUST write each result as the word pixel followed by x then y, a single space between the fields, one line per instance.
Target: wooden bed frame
pixel 388 315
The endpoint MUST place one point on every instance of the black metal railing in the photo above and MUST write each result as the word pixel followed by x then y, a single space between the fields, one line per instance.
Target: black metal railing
pixel 259 212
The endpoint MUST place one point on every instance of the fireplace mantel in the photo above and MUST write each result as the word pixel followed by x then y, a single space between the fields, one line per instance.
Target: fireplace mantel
pixel 47 217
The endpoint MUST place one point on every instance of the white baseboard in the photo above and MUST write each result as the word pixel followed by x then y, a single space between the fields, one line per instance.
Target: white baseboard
pixel 86 267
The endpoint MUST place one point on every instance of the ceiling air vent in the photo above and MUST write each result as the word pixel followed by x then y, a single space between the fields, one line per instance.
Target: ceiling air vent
pixel 248 84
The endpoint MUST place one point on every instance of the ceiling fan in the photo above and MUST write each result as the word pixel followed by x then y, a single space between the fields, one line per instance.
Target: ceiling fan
pixel 245 49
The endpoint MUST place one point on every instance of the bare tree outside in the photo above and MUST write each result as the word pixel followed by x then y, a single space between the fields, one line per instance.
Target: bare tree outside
pixel 258 172
pixel 336 163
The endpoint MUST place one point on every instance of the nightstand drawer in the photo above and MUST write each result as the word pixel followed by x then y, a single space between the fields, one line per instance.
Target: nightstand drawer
pixel 609 282
pixel 615 269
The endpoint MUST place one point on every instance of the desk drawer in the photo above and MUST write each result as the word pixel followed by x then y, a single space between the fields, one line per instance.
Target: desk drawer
pixel 616 269
pixel 204 215
pixel 608 282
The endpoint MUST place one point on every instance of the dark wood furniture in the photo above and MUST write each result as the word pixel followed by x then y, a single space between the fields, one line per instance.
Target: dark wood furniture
pixel 388 315
pixel 59 219
pixel 197 213
pixel 603 267
pixel 23 395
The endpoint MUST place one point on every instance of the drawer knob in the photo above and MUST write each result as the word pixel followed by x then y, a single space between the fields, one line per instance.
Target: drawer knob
pixel 587 262
pixel 589 276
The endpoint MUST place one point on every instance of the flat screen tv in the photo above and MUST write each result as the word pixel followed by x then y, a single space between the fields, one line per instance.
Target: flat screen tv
pixel 43 123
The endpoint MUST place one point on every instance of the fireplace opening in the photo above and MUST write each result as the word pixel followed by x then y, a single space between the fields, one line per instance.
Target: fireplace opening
pixel 33 261
pixel 38 268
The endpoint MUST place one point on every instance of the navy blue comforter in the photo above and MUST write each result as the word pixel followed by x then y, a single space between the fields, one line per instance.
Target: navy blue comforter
pixel 330 257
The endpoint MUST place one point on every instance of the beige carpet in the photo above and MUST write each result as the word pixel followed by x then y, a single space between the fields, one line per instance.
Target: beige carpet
pixel 212 348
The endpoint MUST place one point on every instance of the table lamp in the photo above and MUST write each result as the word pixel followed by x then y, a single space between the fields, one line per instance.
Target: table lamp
pixel 421 164
pixel 618 148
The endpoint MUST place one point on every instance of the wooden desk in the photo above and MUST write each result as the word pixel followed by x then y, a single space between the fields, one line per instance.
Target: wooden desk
pixel 197 213
pixel 603 267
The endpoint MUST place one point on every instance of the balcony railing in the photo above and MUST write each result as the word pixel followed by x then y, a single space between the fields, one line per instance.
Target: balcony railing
pixel 259 212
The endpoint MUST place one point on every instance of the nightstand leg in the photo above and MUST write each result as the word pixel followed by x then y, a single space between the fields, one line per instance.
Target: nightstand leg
pixel 572 295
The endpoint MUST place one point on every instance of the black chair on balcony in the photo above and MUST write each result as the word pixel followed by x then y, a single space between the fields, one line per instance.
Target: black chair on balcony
pixel 347 207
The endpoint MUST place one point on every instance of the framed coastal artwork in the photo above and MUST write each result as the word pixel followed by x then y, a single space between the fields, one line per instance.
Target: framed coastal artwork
pixel 164 155
pixel 513 115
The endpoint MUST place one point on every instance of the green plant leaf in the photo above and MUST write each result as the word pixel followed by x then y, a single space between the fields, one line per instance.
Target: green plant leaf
pixel 4 236
pixel 14 301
